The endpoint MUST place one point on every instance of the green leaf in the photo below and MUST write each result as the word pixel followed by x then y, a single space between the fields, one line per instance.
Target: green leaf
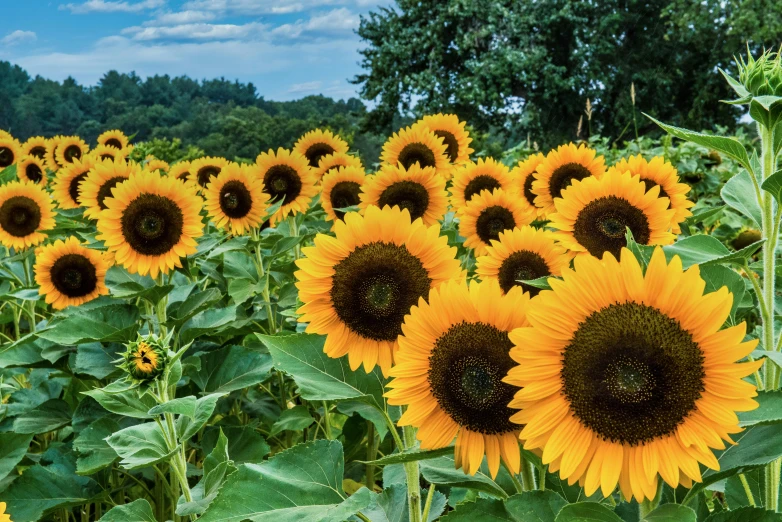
pixel 737 86
pixel 391 505
pixel 13 448
pixel 230 369
pixel 587 512
pixel 94 452
pixel 481 509
pixel 49 416
pixel 95 360
pixel 115 323
pixel 137 511
pixel 745 514
pixel 126 402
pixel 123 284
pixel 187 301
pixel 703 249
pixel 181 406
pixel 318 376
pixel 728 146
pixel 671 513
pixel 244 443
pixel 141 445
pixel 540 282
pixel 217 466
pixel 769 411
pixel 717 276
pixel 773 185
pixel 739 193
pixel 367 411
pixel 442 471
pixel 302 483
pixel 204 407
pixel 411 456
pixel 208 321
pixel 642 253
pixel 8 174
pixel 23 352
pixel 767 110
pixel 535 506
pixel 294 419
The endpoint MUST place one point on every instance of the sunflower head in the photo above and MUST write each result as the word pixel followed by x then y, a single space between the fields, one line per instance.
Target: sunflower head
pixel 625 377
pixel 287 177
pixel 35 146
pixel 25 212
pixel 235 199
pixel 70 274
pixel 150 223
pixel 357 287
pixel 145 359
pixel 419 190
pixel 488 214
pixel 51 156
pixel 32 169
pixel 113 138
pixel 453 133
pixel 107 152
pixel 593 215
pixel 66 188
pixel 416 145
pixel 341 188
pixel 332 161
pixel 560 168
pixel 473 178
pixel 100 182
pixel 523 175
pixel 10 151
pixel 449 371
pixel 180 170
pixel 204 169
pixel 153 164
pixel 317 144
pixel 69 150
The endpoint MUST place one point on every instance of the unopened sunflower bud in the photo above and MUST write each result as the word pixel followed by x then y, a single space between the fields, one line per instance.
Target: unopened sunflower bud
pixel 145 358
pixel 762 77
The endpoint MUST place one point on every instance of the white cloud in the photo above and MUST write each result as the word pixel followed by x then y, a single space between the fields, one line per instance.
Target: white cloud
pixel 111 6
pixel 203 32
pixel 182 17
pixel 336 22
pixel 305 87
pixel 18 37
pixel 258 7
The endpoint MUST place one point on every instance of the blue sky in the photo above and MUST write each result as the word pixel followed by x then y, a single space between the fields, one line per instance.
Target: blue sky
pixel 287 48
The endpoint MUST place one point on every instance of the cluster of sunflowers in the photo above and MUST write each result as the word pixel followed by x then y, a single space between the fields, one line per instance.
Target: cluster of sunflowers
pixel 613 375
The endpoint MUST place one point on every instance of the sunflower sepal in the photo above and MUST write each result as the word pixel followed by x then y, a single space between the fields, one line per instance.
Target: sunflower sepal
pixel 147 359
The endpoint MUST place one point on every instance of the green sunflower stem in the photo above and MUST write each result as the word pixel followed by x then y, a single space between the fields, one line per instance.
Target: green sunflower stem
pixel 413 480
pixel 29 281
pixel 262 275
pixel 294 231
pixel 527 475
pixel 160 309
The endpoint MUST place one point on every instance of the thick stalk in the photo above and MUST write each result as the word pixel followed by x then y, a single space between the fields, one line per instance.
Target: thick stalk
pixel 29 305
pixel 413 481
pixel 371 455
pixel 527 475
pixel 428 504
pixel 294 230
pixel 265 291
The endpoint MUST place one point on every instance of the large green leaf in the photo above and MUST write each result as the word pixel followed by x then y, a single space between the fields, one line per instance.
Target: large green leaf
pixel 481 509
pixel 318 376
pixel 137 511
pixel 739 193
pixel 141 445
pixel 294 419
pixel 671 513
pixel 244 443
pixel 302 483
pixel 204 407
pixel 442 471
pixel 587 512
pixel 23 352
pixel 391 505
pixel 217 466
pixel 209 321
pixel 126 402
pixel 122 283
pixel 702 249
pixel 769 411
pixel 104 323
pixel 13 448
pixel 49 416
pixel 412 456
pixel 773 185
pixel 94 452
pixel 229 369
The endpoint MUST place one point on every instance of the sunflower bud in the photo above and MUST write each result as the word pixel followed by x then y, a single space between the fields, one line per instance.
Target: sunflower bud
pixel 762 77
pixel 146 358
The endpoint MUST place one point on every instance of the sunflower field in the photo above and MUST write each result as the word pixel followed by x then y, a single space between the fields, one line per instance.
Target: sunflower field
pixel 586 334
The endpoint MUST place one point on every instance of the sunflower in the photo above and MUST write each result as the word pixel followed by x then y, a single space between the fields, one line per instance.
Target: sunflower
pixel 25 211
pixel 592 216
pixel 71 148
pixel 357 287
pixel 113 138
pixel 449 370
pixel 660 173
pixel 418 189
pixel 417 145
pixel 32 169
pixel 235 199
pixel 5 134
pixel 341 188
pixel 145 359
pixel 523 175
pixel 153 164
pixel 100 182
pixel 35 146
pixel 287 176
pixel 455 137
pixel 10 152
pixel 66 186
pixel 560 168
pixel 51 156
pixel 107 152
pixel 70 274
pixel 4 517
pixel 180 170
pixel 625 376
pixel 204 169
pixel 317 143
pixel 473 178
pixel 150 223
pixel 523 253
pixel 488 214
pixel 338 159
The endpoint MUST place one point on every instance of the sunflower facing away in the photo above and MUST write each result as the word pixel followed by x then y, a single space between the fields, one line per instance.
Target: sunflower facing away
pixel 341 188
pixel 488 214
pixel 100 182
pixel 113 138
pixel 523 253
pixel 180 170
pixel 560 168
pixel 235 200
pixel 51 157
pixel 25 211
pixel 357 287
pixel 626 376
pixel 286 176
pixel 70 274
pixel 204 169
pixel 317 143
pixel 32 169
pixel 107 152
pixel 70 149
pixel 10 151
pixel 152 164
pixel 523 175
pixel 658 172
pixel 419 190
pixel 473 178
pixel 416 145
pixel 455 137
pixel 593 215
pixel 35 146
pixel 453 355
pixel 332 161
pixel 151 222
pixel 67 185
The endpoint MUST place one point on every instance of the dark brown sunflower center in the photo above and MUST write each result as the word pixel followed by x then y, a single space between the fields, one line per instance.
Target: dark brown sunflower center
pixel 650 184
pixel 522 266
pixel 316 151
pixel 33 173
pixel 492 221
pixel 451 144
pixel 73 188
pixel 601 226
pixel 406 195
pixel 479 184
pixel 375 287
pixel 414 153
pixel 235 200
pixel 6 157
pixel 105 190
pixel 282 181
pixel 183 175
pixel 528 189
pixel 152 224
pixel 206 173
pixel 38 151
pixel 344 194
pixel 563 176
pixel 467 366
pixel 20 216
pixel 631 373
pixel 72 152
pixel 107 156
pixel 74 275
pixel 113 142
